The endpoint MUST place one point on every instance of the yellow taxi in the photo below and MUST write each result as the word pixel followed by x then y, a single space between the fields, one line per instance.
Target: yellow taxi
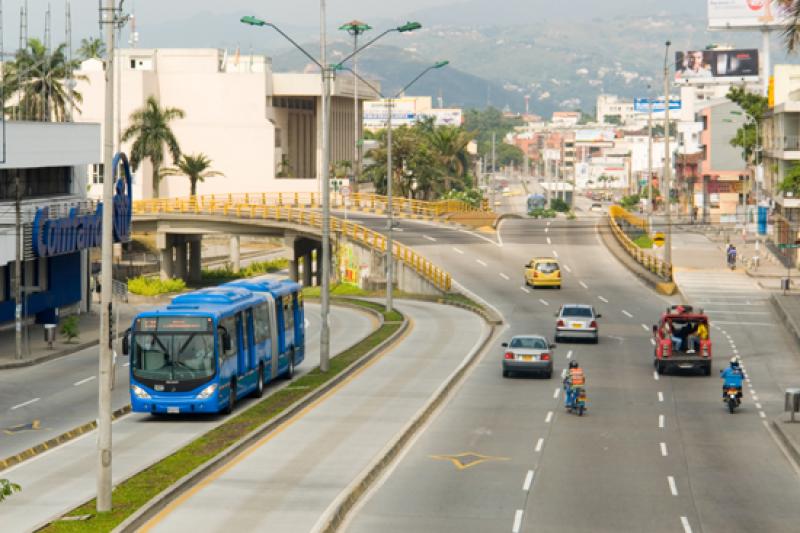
pixel 543 272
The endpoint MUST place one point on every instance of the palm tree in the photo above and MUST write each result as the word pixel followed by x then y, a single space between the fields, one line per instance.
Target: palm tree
pixel 450 146
pixel 35 83
pixel 150 126
pixel 195 167
pixel 92 47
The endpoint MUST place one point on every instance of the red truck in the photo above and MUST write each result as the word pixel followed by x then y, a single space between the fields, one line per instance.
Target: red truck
pixel 680 342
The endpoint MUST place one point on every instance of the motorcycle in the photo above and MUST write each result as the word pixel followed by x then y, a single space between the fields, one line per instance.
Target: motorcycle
pixel 732 260
pixel 732 398
pixel 578 403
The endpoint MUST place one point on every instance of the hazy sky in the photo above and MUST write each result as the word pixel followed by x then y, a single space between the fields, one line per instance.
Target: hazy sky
pixel 302 13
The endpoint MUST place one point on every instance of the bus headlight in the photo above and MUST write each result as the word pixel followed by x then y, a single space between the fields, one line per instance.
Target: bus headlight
pixel 207 392
pixel 139 392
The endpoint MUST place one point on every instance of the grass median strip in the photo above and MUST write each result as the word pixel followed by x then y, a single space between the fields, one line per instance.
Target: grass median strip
pixel 136 491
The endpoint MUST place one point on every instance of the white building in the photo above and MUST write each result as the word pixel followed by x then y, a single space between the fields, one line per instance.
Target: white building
pixel 610 105
pixel 261 129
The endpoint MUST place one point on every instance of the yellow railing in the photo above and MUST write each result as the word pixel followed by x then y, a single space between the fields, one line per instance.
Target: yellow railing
pixel 312 200
pixel 309 217
pixel 653 264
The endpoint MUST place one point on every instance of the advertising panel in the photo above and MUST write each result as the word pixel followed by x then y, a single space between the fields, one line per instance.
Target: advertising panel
pixel 642 105
pixel 594 136
pixel 376 113
pixel 746 14
pixel 443 117
pixel 716 66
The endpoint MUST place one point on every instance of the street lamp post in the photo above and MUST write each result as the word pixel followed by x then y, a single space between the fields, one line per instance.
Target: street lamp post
pixel 327 73
pixel 667 163
pixel 355 28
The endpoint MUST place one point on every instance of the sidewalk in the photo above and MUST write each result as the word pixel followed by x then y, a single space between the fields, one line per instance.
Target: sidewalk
pixel 35 349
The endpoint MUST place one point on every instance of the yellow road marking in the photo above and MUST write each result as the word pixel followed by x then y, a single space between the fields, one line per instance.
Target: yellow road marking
pixel 465 460
pixel 169 508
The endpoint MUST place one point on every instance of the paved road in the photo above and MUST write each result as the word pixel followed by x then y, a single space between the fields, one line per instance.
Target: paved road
pixel 288 480
pixel 653 453
pixel 57 481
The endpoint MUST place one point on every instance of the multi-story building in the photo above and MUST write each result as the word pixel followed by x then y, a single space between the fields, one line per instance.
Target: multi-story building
pixel 260 128
pixel 610 105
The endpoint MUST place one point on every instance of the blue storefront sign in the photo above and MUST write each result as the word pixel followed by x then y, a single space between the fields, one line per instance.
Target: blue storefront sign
pixel 58 236
pixel 642 105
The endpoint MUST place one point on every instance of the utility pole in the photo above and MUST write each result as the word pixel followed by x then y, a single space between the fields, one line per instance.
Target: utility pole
pixel 494 167
pixel 324 335
pixel 18 265
pixel 649 159
pixel 667 163
pixel 356 28
pixel 108 21
pixel 389 214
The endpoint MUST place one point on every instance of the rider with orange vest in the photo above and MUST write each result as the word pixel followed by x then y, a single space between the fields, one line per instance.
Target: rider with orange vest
pixel 574 380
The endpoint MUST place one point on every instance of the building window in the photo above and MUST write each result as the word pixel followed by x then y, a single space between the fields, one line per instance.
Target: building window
pixel 97 174
pixel 45 181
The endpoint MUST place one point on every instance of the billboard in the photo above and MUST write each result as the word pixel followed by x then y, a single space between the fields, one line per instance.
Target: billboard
pixel 642 105
pixel 746 14
pixel 595 136
pixel 443 117
pixel 716 66
pixel 376 113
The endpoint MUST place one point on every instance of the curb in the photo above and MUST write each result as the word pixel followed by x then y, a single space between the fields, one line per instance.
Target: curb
pixel 504 216
pixel 56 441
pixel 48 357
pixel 786 319
pixel 160 501
pixel 347 500
pixel 789 445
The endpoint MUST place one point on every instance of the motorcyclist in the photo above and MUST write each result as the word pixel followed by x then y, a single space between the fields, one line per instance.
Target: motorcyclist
pixel 574 380
pixel 732 378
pixel 731 255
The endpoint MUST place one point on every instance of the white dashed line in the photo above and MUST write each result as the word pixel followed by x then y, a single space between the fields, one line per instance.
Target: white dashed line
pixel 655 375
pixel 661 421
pixel 755 397
pixel 548 223
pixel 567 268
pixel 686 527
pixel 585 286
pixel 458 250
pixel 555 254
pixel 602 299
pixel 660 396
pixel 525 290
pixel 526 486
pixel 539 444
pixel 480 262
pixel 549 417
pixel 555 393
pixel 569 354
pixel 672 488
pixel 664 449
pixel 645 327
pixel 23 404
pixel 81 382
pixel 758 405
pixel 627 314
pixel 517 521
pixel 429 238
pixel 549 241
pixel 504 276
pixel 544 302
pixel 762 414
pixel 653 342
pixel 546 230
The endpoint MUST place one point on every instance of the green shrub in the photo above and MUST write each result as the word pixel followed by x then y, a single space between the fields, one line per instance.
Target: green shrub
pixel 643 241
pixel 7 489
pixel 258 268
pixel 630 202
pixel 557 204
pixel 541 212
pixel 151 286
pixel 339 289
pixel 69 328
pixel 473 197
pixel 571 215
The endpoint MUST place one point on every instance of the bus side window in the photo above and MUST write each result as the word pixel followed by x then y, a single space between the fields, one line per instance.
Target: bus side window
pixel 230 325
pixel 261 323
pixel 288 316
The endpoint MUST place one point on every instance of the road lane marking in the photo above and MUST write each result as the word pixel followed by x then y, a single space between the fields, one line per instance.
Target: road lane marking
pixel 686 527
pixel 755 397
pixel 81 382
pixel 549 417
pixel 525 290
pixel 663 449
pixel 653 342
pixel 429 238
pixel 546 230
pixel 661 421
pixel 660 396
pixel 555 394
pixel 585 286
pixel 758 405
pixel 655 375
pixel 627 314
pixel 517 521
pixel 602 299
pixel 504 276
pixel 672 488
pixel 645 327
pixel 569 354
pixel 549 241
pixel 480 262
pixel 762 414
pixel 458 250
pixel 539 444
pixel 567 268
pixel 528 481
pixel 555 254
pixel 23 404
pixel 564 373
pixel 544 302
pixel 548 223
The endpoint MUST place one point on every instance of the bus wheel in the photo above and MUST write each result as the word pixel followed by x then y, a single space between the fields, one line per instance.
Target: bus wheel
pixel 290 371
pixel 231 398
pixel 259 392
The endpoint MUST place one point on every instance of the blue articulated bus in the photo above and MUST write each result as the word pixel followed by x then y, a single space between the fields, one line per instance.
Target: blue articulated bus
pixel 208 348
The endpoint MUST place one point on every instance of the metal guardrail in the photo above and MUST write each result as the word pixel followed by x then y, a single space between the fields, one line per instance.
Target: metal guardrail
pixel 312 200
pixel 654 264
pixel 309 217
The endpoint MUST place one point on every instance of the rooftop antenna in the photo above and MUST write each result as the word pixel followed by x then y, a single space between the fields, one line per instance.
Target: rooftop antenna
pixel 133 38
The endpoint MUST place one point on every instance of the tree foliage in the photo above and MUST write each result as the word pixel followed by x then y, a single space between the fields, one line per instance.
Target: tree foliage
pixel 92 47
pixel 196 167
pixel 791 181
pixel 482 123
pixel 7 488
pixel 149 126
pixel 754 106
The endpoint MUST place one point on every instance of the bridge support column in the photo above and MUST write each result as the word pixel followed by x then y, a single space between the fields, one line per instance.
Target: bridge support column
pixel 164 243
pixel 319 266
pixel 179 268
pixel 236 263
pixel 307 268
pixel 195 266
pixel 290 241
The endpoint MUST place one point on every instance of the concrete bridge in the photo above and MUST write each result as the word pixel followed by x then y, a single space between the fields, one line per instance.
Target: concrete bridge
pixel 358 252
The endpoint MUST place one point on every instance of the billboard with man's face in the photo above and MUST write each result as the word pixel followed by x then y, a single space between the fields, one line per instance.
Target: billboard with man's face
pixel 716 66
pixel 743 14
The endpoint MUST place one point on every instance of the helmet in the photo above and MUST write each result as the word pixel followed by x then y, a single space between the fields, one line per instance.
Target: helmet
pixel 573 364
pixel 734 362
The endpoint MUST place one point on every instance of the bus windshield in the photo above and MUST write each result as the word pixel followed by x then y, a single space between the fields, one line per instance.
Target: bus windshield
pixel 168 356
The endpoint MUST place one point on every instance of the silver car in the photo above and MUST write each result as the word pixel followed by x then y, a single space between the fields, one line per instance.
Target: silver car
pixel 577 321
pixel 528 353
